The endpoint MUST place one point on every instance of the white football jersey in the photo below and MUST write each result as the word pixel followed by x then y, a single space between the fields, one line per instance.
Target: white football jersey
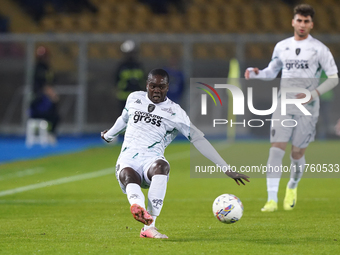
pixel 152 127
pixel 301 63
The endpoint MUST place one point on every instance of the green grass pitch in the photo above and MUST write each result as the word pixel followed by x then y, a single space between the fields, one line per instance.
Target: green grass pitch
pixel 91 215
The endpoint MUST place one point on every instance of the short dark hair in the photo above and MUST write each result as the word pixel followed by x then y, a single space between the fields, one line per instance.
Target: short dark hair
pixel 159 71
pixel 304 10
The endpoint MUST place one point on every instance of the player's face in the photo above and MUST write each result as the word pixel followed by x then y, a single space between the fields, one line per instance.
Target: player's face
pixel 157 87
pixel 302 26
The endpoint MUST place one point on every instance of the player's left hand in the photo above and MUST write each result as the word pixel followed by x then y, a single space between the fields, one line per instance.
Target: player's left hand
pixel 237 177
pixel 303 95
pixel 102 135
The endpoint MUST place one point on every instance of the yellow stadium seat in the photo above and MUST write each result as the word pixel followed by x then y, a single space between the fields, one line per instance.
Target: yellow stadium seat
pixel 285 16
pixel 148 50
pixel 254 51
pixel 201 51
pixel 176 24
pixel 267 19
pixel 323 22
pixel 230 20
pixel 48 24
pixel 158 24
pixel 249 20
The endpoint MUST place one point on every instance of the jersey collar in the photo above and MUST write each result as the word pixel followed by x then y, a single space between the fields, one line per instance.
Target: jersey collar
pixel 309 37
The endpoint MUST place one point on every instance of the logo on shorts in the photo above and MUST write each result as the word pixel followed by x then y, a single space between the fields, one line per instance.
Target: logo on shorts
pixel 297 51
pixel 273 132
pixel 157 202
pixel 117 167
pixel 151 107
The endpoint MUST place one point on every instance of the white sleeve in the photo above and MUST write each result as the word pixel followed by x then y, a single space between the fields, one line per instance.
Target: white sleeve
pixel 270 72
pixel 196 137
pixel 208 151
pixel 327 62
pixel 327 85
pixel 116 129
pixel 120 124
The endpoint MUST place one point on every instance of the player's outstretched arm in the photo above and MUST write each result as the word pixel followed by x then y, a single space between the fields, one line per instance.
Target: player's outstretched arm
pixel 207 150
pixel 249 70
pixel 115 130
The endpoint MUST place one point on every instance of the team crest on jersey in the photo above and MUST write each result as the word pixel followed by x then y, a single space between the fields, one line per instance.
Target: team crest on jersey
pixel 151 107
pixel 297 51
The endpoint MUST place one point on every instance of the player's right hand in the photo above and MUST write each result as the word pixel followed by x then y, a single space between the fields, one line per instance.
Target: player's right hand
pixel 250 69
pixel 237 177
pixel 102 135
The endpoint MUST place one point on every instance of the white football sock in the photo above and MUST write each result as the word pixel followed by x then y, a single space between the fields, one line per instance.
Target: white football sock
pixel 152 224
pixel 156 194
pixel 298 166
pixel 274 172
pixel 135 195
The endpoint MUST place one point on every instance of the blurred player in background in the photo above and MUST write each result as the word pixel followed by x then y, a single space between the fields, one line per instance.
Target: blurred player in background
pixel 151 122
pixel 301 59
pixel 337 128
pixel 130 75
pixel 177 80
pixel 45 98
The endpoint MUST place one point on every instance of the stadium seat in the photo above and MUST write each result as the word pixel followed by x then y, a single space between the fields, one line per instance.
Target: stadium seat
pixel 201 51
pixel 254 51
pixel 249 20
pixel 267 19
pixel 323 21
pixel 148 50
pixel 212 19
pixel 48 24
pixel 230 20
pixel 158 24
pixel 176 24
pixel 220 52
pixel 285 15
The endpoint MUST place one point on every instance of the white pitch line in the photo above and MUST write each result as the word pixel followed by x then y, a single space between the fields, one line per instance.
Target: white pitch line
pixel 22 173
pixel 58 181
pixel 174 156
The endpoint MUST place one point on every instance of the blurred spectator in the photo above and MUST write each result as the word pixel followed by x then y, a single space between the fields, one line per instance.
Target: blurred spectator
pixel 130 75
pixel 337 128
pixel 176 78
pixel 45 99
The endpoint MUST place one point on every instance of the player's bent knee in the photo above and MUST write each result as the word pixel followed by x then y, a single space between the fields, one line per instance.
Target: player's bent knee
pixel 128 175
pixel 159 167
pixel 280 145
pixel 298 153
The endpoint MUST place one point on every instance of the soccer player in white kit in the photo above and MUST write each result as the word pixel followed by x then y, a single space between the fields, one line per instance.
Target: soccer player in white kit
pixel 151 121
pixel 301 59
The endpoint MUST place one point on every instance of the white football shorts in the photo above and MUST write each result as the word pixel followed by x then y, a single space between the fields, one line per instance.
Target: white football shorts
pixel 282 129
pixel 140 162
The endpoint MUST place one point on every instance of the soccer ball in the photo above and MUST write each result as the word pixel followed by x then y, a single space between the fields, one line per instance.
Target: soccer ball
pixel 227 208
